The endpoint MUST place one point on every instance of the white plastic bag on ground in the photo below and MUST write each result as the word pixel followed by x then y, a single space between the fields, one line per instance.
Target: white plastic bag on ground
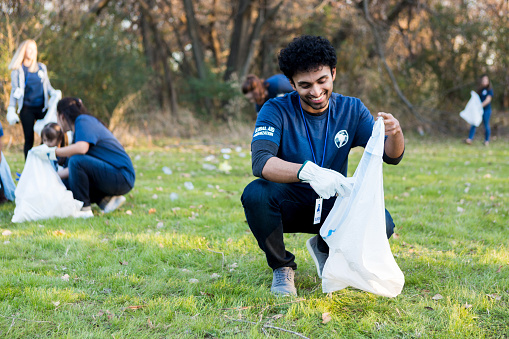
pixel 359 252
pixel 7 182
pixel 473 111
pixel 40 193
pixel 51 114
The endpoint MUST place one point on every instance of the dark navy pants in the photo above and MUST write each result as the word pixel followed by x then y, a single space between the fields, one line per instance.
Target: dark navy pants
pixel 273 209
pixel 92 179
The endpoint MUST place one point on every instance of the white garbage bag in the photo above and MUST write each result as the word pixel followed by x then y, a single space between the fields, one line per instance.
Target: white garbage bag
pixel 7 182
pixel 359 252
pixel 41 194
pixel 473 110
pixel 51 114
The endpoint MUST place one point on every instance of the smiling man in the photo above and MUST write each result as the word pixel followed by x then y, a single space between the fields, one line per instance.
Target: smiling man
pixel 300 152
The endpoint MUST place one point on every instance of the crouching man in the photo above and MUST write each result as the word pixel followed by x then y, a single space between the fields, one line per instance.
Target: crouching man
pixel 300 152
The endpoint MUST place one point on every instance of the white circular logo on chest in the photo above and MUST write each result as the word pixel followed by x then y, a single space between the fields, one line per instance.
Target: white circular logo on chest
pixel 341 138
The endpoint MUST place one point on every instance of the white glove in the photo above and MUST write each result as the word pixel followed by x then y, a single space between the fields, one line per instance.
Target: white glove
pixel 45 152
pixel 12 116
pixel 325 182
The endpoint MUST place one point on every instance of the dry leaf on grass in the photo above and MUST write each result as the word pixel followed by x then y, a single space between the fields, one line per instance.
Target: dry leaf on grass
pixel 123 263
pixel 152 211
pixel 326 317
pixel 135 307
pixel 56 303
pixel 500 268
pixel 467 306
pixel 429 308
pixel 65 277
pixel 6 232
pixel 277 316
pixel 207 294
pixel 59 232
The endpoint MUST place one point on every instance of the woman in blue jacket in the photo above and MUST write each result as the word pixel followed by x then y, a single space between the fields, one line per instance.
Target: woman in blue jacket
pixel 30 91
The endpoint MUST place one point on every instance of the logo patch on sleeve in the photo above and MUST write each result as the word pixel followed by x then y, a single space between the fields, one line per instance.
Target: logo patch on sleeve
pixel 341 138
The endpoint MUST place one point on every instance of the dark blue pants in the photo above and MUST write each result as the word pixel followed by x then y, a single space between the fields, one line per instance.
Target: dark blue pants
pixel 92 179
pixel 273 209
pixel 487 130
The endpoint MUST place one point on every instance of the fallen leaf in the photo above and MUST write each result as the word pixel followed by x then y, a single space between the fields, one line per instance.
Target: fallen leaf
pixel 56 303
pixel 326 317
pixel 125 263
pixel 59 232
pixel 467 306
pixel 137 307
pixel 150 323
pixel 500 268
pixel 429 308
pixel 128 212
pixel 152 211
pixel 207 294
pixel 65 277
pixel 6 232
pixel 437 297
pixel 277 316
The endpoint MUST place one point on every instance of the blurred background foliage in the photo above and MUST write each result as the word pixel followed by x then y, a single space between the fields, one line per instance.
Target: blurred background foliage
pixel 161 64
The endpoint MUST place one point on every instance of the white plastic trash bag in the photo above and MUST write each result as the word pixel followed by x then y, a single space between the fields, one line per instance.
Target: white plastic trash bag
pixel 51 114
pixel 473 110
pixel 359 252
pixel 40 193
pixel 7 182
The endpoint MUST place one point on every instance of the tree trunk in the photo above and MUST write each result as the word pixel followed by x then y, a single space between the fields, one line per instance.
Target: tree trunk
pixel 192 28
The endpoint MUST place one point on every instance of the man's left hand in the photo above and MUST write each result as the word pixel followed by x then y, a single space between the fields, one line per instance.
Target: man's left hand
pixel 392 126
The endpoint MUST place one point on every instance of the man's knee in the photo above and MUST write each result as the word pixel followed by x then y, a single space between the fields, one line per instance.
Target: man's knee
pixel 256 192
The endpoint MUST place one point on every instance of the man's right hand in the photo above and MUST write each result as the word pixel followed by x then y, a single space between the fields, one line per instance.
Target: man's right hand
pixel 325 182
pixel 12 116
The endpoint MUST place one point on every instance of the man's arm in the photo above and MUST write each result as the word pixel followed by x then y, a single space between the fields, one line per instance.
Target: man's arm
pixel 395 143
pixel 267 165
pixel 278 170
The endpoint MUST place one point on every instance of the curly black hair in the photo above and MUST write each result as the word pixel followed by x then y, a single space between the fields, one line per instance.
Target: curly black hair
pixel 306 53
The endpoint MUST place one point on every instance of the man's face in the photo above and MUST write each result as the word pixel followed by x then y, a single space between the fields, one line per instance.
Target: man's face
pixel 314 88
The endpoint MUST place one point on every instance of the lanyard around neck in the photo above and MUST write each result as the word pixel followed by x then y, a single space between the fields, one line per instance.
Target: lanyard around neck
pixel 309 138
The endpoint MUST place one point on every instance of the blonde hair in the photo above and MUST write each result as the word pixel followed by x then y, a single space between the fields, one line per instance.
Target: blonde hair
pixel 19 56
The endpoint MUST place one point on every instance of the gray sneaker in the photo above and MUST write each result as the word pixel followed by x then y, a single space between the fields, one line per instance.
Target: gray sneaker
pixel 318 256
pixel 111 203
pixel 282 282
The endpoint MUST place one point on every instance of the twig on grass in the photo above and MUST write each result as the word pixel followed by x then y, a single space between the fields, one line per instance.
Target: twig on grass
pixel 270 326
pixel 12 324
pixel 266 306
pixel 35 321
pixel 222 254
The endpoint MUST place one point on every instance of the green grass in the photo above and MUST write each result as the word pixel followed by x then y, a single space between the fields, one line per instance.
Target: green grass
pixel 449 202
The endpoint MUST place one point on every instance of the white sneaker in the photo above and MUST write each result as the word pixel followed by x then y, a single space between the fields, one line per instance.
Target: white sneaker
pixel 113 203
pixel 84 213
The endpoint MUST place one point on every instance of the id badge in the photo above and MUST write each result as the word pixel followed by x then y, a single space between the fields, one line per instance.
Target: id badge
pixel 318 211
pixel 17 93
